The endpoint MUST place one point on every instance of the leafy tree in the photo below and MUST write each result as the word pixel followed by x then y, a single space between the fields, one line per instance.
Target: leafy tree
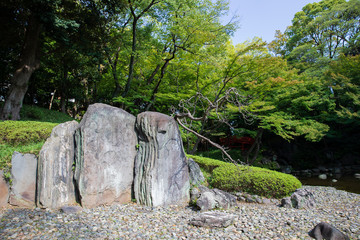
pixel 178 28
pixel 343 79
pixel 320 32
pixel 33 20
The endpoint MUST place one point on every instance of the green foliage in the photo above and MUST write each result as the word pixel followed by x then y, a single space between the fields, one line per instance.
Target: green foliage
pixel 217 154
pixel 254 180
pixel 322 30
pixel 287 127
pixel 344 79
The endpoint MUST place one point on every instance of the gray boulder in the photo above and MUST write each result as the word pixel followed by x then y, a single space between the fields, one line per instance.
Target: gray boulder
pixel 301 198
pixel 322 176
pixel 4 190
pixel 196 176
pixel 213 219
pixel 55 179
pixel 161 168
pixel 326 231
pixel 23 174
pixel 207 199
pixel 105 152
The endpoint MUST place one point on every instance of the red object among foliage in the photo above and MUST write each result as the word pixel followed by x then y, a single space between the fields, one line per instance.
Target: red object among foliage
pixel 234 142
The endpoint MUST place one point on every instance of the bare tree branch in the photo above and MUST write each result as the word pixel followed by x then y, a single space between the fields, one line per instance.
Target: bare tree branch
pixel 187 110
pixel 209 141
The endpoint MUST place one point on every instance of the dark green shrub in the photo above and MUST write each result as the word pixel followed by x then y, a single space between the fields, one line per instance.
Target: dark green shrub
pixel 254 180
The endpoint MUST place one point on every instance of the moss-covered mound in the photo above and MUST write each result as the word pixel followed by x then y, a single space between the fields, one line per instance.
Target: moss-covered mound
pixel 24 132
pixel 207 164
pixel 254 180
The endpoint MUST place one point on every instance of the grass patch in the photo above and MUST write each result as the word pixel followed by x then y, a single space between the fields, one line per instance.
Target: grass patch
pixel 29 134
pixel 34 113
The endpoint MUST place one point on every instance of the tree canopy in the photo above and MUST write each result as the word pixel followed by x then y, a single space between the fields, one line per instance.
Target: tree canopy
pixel 176 57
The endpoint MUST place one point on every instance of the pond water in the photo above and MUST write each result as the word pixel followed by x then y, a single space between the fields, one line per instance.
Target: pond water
pixel 347 183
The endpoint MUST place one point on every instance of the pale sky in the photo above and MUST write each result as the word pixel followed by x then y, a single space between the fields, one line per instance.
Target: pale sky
pixel 260 18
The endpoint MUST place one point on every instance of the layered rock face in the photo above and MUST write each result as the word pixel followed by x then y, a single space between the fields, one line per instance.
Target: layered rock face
pixel 23 174
pixel 161 170
pixel 105 152
pixel 55 182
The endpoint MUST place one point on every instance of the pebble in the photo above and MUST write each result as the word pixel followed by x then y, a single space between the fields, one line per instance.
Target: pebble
pixel 131 221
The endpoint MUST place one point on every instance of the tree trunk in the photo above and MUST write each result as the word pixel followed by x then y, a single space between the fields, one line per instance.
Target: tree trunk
pixel 27 65
pixel 132 58
pixel 63 102
pixel 255 147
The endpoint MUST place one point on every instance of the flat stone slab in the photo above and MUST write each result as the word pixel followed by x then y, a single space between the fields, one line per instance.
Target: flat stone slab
pixel 71 209
pixel 23 174
pixel 213 220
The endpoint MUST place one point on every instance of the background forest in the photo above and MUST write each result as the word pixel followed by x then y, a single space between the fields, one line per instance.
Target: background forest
pixel 297 96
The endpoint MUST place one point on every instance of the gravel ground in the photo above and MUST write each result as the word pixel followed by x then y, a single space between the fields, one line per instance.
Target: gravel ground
pixel 131 221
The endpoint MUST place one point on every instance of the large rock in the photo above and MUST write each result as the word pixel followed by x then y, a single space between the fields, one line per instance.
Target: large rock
pixel 4 190
pixel 105 153
pixel 55 178
pixel 161 169
pixel 300 199
pixel 23 174
pixel 207 199
pixel 213 219
pixel 196 176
